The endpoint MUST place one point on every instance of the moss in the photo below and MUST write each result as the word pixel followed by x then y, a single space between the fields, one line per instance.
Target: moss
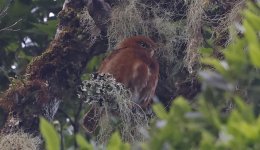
pixel 19 140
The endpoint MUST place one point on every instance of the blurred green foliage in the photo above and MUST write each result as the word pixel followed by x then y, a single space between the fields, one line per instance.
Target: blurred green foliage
pixel 26 28
pixel 226 113
pixel 52 139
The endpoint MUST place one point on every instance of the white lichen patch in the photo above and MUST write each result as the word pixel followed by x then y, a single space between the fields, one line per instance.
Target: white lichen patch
pixel 119 112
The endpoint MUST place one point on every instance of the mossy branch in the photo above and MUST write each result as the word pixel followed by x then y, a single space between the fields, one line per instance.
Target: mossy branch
pixel 58 69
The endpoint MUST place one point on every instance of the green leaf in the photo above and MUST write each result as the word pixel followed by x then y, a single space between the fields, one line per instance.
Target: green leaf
pixel 210 113
pixel 253 19
pixel 94 63
pixel 180 106
pixel 207 141
pixel 254 55
pixel 85 76
pixel 18 10
pixel 245 110
pixel 253 42
pixel 214 63
pixel 23 55
pixel 2 4
pixel 160 111
pixel 206 51
pixel 50 135
pixel 12 47
pixel 83 144
pixel 115 143
pixel 235 53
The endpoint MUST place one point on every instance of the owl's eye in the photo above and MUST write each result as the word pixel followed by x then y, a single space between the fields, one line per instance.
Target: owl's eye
pixel 143 44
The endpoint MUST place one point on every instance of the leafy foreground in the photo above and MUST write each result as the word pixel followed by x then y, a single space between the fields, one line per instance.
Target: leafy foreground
pixel 226 112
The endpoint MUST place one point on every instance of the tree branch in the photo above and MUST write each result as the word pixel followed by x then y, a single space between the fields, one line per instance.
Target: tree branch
pixel 58 69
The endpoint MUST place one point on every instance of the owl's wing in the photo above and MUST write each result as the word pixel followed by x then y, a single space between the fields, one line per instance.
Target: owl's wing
pixel 144 82
pixel 149 90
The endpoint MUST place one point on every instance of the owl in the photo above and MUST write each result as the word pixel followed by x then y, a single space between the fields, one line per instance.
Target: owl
pixel 134 65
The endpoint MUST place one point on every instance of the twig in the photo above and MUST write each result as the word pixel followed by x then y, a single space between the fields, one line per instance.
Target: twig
pixel 76 121
pixel 9 28
pixel 4 11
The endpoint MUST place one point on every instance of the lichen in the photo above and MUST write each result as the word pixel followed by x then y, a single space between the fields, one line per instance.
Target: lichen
pixel 19 141
pixel 118 111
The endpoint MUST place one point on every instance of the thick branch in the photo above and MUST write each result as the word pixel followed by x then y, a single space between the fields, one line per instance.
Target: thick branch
pixel 59 68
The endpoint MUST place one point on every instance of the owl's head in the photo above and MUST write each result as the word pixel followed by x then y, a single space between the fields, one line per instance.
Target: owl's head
pixel 139 42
